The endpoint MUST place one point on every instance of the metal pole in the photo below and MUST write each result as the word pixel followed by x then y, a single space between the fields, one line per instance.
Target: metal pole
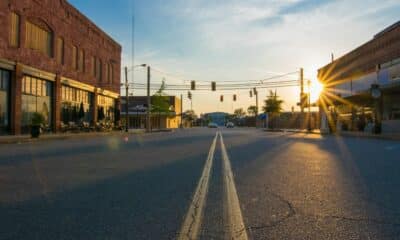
pixel 181 125
pixel 309 105
pixel 126 101
pixel 148 120
pixel 255 120
pixel 301 89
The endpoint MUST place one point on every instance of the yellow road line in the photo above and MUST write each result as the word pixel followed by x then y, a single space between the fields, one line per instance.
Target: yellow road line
pixel 237 229
pixel 192 222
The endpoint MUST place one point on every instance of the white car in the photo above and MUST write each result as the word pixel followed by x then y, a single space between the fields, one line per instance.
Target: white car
pixel 212 125
pixel 230 125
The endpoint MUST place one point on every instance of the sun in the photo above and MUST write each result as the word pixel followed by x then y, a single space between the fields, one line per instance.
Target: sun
pixel 316 89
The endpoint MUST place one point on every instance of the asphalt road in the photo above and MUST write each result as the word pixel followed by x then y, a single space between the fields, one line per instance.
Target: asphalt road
pixel 201 184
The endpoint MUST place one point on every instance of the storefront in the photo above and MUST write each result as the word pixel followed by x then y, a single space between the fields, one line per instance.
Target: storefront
pixel 76 105
pixel 106 109
pixel 4 101
pixel 36 97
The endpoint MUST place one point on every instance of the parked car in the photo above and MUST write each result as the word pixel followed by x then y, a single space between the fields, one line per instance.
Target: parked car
pixel 230 125
pixel 212 125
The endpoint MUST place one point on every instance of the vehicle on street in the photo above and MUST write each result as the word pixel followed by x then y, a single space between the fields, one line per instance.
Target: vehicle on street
pixel 212 125
pixel 230 125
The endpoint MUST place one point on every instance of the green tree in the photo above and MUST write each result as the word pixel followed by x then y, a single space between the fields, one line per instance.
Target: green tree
pixel 252 110
pixel 160 104
pixel 239 113
pixel 273 106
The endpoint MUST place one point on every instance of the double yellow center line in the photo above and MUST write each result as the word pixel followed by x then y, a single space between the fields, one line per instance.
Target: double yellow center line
pixel 193 218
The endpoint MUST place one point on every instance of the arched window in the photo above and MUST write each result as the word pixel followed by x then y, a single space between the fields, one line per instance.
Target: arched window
pixel 39 37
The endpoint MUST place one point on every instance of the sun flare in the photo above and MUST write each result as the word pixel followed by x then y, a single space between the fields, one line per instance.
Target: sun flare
pixel 316 89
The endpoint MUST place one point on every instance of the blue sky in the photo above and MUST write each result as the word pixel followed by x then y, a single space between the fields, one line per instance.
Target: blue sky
pixel 237 40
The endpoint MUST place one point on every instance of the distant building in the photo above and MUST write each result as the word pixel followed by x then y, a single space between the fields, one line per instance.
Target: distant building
pixel 55 61
pixel 219 118
pixel 348 103
pixel 138 109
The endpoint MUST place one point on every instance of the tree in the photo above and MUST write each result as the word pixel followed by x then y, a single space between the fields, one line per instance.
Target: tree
pixel 252 110
pixel 239 113
pixel 160 103
pixel 189 116
pixel 273 106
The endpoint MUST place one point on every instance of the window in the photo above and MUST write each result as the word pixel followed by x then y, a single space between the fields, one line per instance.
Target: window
pixel 110 72
pixel 74 62
pixel 81 61
pixel 98 69
pixel 38 38
pixel 14 30
pixel 93 62
pixel 60 50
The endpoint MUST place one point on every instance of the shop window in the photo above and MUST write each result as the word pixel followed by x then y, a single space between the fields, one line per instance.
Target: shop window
pixel 14 30
pixel 38 38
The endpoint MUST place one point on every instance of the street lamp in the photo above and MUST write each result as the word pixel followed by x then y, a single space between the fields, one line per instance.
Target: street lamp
pixel 376 94
pixel 309 105
pixel 127 94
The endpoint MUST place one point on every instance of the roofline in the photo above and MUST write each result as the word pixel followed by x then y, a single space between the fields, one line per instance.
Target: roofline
pixel 91 22
pixel 376 36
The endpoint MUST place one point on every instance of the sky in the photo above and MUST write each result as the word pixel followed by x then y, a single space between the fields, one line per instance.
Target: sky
pixel 232 40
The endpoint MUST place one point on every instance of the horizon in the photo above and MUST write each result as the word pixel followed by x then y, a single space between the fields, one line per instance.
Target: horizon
pixel 207 41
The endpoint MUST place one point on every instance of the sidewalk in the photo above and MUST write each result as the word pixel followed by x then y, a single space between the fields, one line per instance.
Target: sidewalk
pixel 384 136
pixel 61 136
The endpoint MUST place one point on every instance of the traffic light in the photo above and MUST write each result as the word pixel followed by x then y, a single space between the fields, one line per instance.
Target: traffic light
pixel 192 85
pixel 254 91
pixel 221 98
pixel 234 97
pixel 213 86
pixel 251 93
pixel 189 95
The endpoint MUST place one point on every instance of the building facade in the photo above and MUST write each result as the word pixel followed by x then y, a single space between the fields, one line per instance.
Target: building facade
pixel 55 61
pixel 347 103
pixel 159 119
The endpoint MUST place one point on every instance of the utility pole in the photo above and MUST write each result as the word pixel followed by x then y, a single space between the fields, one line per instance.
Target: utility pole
pixel 309 105
pixel 301 89
pixel 148 120
pixel 181 125
pixel 126 101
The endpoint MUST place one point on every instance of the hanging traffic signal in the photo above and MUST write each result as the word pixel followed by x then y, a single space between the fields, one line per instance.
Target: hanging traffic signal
pixel 255 91
pixel 251 93
pixel 213 86
pixel 189 95
pixel 234 97
pixel 192 85
pixel 221 98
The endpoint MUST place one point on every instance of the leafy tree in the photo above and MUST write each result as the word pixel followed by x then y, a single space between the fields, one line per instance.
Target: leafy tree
pixel 252 110
pixel 239 113
pixel 160 103
pixel 273 106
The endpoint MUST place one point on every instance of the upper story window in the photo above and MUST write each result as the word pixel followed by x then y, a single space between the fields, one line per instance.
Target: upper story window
pixel 14 30
pixel 81 60
pixel 110 73
pixel 60 50
pixel 74 62
pixel 98 69
pixel 38 38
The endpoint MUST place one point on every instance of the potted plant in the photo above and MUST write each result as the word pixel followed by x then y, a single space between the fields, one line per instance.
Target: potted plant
pixel 36 122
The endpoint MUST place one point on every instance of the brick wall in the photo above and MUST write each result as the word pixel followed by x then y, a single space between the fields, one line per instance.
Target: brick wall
pixel 67 22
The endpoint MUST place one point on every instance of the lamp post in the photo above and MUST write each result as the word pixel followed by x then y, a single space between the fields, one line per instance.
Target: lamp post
pixel 127 94
pixel 376 95
pixel 309 105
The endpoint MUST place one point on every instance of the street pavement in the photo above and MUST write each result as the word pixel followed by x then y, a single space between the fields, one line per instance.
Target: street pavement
pixel 201 184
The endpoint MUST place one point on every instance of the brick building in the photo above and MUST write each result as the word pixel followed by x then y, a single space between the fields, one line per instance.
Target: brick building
pixel 159 120
pixel 54 60
pixel 348 103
